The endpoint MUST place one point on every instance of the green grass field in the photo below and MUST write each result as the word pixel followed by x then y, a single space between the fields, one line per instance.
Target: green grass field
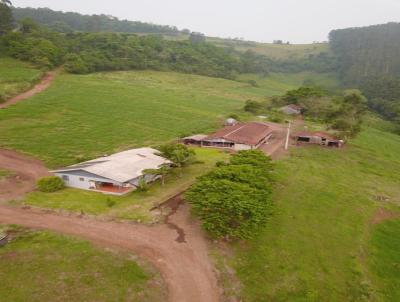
pixel 82 117
pixel 315 246
pixel 43 266
pixel 273 51
pixel 16 76
pixel 134 206
pixel 385 259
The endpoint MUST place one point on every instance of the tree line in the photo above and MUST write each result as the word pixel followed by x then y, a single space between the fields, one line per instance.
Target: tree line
pixel 368 58
pixel 70 22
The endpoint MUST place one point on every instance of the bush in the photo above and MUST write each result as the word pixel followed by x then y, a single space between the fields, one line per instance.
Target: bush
pixel 233 201
pixel 50 184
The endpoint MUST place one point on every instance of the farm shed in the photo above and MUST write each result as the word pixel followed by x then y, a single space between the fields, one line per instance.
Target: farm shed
pixel 291 109
pixel 116 174
pixel 241 136
pixel 194 139
pixel 318 138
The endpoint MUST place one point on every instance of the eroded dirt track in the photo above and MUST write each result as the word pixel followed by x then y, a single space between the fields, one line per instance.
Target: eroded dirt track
pixel 26 170
pixel 44 84
pixel 185 266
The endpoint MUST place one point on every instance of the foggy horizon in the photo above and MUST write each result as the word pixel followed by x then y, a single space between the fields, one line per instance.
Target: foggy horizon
pixel 298 23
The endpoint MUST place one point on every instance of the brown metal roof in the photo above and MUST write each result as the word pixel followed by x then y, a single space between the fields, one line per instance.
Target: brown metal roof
pixel 243 133
pixel 317 133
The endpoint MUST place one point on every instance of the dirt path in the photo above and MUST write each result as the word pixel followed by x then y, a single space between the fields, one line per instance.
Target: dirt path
pixel 26 170
pixel 44 83
pixel 177 248
pixel 184 264
pixel 382 215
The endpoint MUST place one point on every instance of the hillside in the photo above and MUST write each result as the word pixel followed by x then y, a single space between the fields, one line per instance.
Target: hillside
pixel 327 236
pixel 86 116
pixel 69 21
pixel 273 51
pixel 16 76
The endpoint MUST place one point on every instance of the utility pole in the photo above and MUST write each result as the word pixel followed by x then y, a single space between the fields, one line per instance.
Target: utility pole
pixel 287 136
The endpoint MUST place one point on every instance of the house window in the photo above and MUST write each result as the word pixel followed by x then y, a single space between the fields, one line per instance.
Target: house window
pixel 81 179
pixel 65 177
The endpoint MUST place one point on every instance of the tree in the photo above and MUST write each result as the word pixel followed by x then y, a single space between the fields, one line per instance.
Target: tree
pixel 233 201
pixel 179 154
pixel 6 17
pixel 163 171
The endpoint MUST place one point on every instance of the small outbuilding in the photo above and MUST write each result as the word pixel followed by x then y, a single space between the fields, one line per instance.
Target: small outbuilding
pixel 291 109
pixel 230 122
pixel 116 174
pixel 318 138
pixel 194 139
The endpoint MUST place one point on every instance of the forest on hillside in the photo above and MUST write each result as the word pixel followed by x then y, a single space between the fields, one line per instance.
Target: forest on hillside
pixel 368 58
pixel 69 22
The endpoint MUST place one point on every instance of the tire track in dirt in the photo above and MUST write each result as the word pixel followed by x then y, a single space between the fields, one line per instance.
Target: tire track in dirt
pixel 184 265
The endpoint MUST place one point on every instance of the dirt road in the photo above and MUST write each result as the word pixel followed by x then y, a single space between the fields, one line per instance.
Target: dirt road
pixel 44 83
pixel 181 257
pixel 26 170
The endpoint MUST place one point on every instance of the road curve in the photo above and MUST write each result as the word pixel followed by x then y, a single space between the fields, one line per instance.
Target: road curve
pixel 44 84
pixel 184 264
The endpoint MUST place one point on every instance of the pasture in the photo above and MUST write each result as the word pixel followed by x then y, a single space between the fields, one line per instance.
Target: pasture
pixel 43 266
pixel 16 76
pixel 316 244
pixel 82 117
pixel 273 51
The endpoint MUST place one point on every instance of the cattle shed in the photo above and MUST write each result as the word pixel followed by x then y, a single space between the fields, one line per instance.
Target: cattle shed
pixel 318 138
pixel 241 136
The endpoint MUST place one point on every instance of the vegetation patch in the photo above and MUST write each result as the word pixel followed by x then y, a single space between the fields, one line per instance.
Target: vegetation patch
pixel 5 174
pixel 233 201
pixel 43 266
pixel 50 184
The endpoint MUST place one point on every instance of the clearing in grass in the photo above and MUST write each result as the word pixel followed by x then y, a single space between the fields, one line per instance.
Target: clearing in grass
pixel 43 266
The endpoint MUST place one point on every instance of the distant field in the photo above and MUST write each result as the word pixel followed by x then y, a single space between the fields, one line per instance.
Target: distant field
pixel 274 51
pixel 15 77
pixel 43 266
pixel 316 246
pixel 81 117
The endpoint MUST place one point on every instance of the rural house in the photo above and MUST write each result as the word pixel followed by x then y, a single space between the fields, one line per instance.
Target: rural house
pixel 241 136
pixel 291 109
pixel 116 174
pixel 319 138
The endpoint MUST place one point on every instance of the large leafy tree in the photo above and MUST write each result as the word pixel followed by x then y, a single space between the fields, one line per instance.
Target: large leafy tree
pixel 233 201
pixel 6 17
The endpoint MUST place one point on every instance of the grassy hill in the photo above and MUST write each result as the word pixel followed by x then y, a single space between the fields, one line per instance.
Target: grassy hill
pixel 81 117
pixel 273 51
pixel 324 242
pixel 16 76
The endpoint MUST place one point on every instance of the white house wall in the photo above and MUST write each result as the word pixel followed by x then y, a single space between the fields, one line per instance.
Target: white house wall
pixel 240 147
pixel 76 176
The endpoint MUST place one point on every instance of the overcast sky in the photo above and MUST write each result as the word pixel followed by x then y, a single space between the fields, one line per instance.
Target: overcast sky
pixel 299 21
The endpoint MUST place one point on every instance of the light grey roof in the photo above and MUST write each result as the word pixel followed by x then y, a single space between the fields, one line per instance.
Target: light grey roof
pixel 122 166
pixel 196 137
